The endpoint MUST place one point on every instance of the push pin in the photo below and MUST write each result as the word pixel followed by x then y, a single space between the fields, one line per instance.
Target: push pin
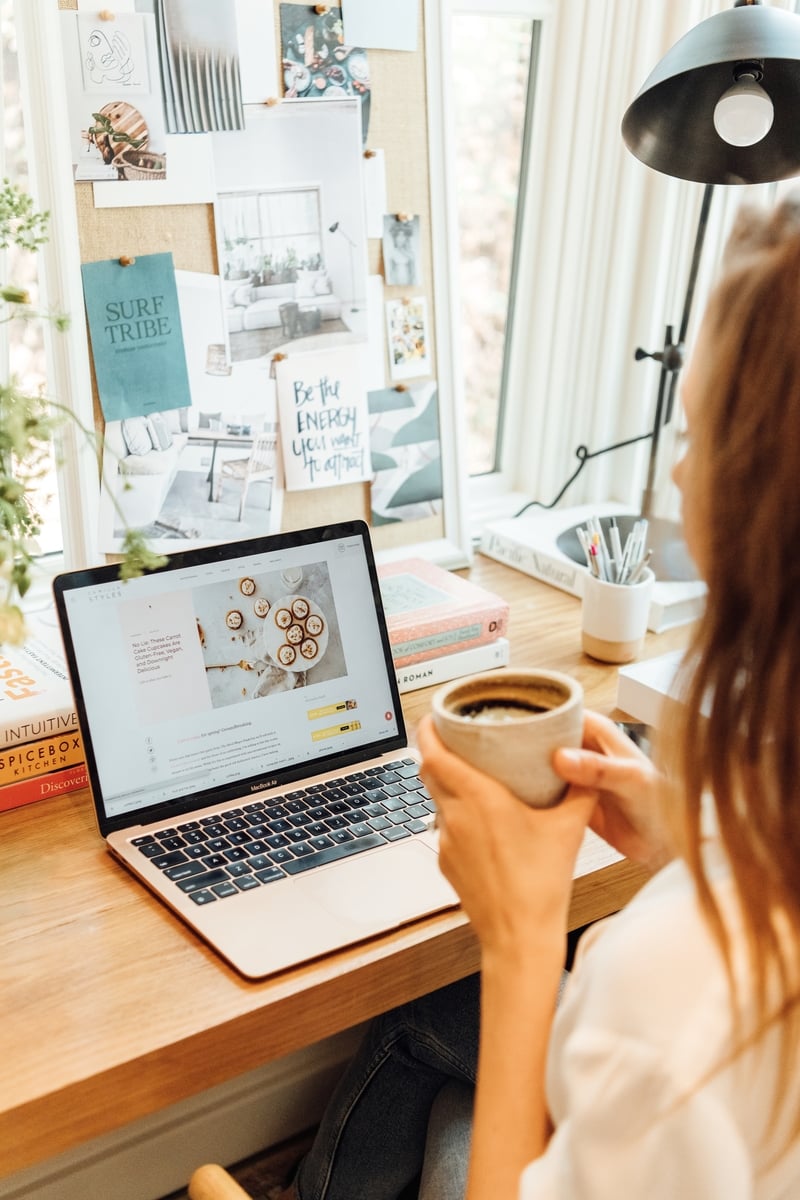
pixel 402 217
pixel 369 154
pixel 106 14
pixel 320 9
pixel 271 101
pixel 278 357
pixel 126 260
pixel 401 387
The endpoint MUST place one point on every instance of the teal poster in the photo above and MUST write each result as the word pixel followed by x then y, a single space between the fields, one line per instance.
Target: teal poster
pixel 136 335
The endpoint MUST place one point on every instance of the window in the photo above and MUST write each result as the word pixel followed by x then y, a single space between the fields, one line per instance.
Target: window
pixel 493 72
pixel 22 345
pixel 267 236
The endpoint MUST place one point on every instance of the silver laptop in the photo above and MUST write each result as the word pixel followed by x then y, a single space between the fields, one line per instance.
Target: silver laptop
pixel 245 743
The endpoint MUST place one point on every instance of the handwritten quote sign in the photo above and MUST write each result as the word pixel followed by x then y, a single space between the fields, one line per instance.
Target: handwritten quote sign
pixel 322 411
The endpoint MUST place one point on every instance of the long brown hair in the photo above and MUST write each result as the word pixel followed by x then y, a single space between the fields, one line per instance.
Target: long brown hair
pixel 739 729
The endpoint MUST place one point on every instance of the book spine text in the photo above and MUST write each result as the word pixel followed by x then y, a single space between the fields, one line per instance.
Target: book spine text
pixel 40 756
pixel 54 783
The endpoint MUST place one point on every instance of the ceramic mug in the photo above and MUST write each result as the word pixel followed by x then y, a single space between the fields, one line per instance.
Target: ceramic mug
pixel 509 723
pixel 614 617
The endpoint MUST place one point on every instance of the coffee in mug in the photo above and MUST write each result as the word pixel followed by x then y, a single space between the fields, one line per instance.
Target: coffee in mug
pixel 509 724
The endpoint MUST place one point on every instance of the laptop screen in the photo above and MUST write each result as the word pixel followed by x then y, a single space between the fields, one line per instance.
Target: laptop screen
pixel 232 669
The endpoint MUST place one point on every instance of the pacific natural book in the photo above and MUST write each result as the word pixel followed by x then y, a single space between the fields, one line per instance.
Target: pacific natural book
pixel 431 611
pixel 529 544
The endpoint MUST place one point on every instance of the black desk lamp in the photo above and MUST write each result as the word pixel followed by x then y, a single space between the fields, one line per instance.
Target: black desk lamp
pixel 722 106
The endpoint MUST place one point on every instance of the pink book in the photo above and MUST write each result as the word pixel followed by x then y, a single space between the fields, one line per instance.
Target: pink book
pixel 431 611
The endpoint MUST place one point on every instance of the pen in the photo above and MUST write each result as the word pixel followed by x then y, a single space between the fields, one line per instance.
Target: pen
pixel 616 548
pixel 642 566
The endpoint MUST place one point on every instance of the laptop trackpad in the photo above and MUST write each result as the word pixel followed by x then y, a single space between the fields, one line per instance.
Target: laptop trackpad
pixel 385 889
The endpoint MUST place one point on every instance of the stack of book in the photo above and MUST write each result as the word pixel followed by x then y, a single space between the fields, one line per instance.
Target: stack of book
pixel 441 626
pixel 41 751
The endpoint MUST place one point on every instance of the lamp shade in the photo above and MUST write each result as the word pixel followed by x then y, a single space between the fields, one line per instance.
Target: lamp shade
pixel 670 124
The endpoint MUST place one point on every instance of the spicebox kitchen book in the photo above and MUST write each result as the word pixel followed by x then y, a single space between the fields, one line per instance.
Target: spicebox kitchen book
pixel 431 611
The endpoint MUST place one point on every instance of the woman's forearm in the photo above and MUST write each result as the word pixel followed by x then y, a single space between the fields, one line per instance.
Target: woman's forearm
pixel 511 1125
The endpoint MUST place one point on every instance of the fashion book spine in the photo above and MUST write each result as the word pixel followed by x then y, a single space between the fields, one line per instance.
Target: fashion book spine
pixel 453 666
pixel 41 787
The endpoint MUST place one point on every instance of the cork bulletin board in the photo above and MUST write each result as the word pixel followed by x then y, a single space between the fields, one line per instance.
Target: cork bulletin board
pixel 398 127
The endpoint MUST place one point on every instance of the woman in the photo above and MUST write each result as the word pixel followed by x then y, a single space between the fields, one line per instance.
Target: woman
pixel 670 1068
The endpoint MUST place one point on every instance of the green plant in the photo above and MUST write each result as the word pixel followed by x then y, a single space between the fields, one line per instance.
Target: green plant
pixel 28 424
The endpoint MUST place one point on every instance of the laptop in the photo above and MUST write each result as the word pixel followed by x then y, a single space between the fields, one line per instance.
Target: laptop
pixel 245 743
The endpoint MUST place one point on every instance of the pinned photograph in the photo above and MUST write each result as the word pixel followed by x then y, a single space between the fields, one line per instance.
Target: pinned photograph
pixel 114 97
pixel 407 332
pixel 200 74
pixel 401 251
pixel 290 229
pixel 406 454
pixel 317 65
pixel 209 471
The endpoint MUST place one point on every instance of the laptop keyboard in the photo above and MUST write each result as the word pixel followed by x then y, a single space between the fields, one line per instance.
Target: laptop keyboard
pixel 234 851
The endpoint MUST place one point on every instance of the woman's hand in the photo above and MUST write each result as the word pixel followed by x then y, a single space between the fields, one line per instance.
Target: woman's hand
pixel 511 864
pixel 628 789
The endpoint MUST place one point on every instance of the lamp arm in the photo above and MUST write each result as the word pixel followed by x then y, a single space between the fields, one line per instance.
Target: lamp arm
pixel 673 354
pixel 671 358
pixel 583 455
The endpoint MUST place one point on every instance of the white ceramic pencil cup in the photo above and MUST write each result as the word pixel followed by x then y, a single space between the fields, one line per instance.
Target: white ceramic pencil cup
pixel 614 617
pixel 509 723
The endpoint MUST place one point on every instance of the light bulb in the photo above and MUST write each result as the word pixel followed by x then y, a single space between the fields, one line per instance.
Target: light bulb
pixel 743 115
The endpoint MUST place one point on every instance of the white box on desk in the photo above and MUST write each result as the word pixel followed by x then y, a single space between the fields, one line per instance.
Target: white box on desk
pixel 643 686
pixel 528 543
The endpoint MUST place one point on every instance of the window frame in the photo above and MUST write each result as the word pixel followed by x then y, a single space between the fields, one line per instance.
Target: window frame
pixel 43 89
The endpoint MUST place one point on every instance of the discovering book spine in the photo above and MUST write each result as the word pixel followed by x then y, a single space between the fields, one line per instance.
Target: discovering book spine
pixel 452 666
pixel 40 787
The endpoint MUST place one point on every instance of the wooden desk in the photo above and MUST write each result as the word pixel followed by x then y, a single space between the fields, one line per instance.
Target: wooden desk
pixel 112 1009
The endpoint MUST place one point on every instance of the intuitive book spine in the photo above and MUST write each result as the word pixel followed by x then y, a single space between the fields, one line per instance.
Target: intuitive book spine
pixel 40 787
pixel 40 756
pixel 452 666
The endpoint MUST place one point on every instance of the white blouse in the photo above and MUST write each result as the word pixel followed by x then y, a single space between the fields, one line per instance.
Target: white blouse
pixel 641 1107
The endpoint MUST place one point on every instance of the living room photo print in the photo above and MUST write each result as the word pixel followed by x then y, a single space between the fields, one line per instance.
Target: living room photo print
pixel 291 236
pixel 206 471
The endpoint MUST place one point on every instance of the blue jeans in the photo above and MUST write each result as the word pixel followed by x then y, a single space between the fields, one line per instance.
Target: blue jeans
pixel 403 1108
